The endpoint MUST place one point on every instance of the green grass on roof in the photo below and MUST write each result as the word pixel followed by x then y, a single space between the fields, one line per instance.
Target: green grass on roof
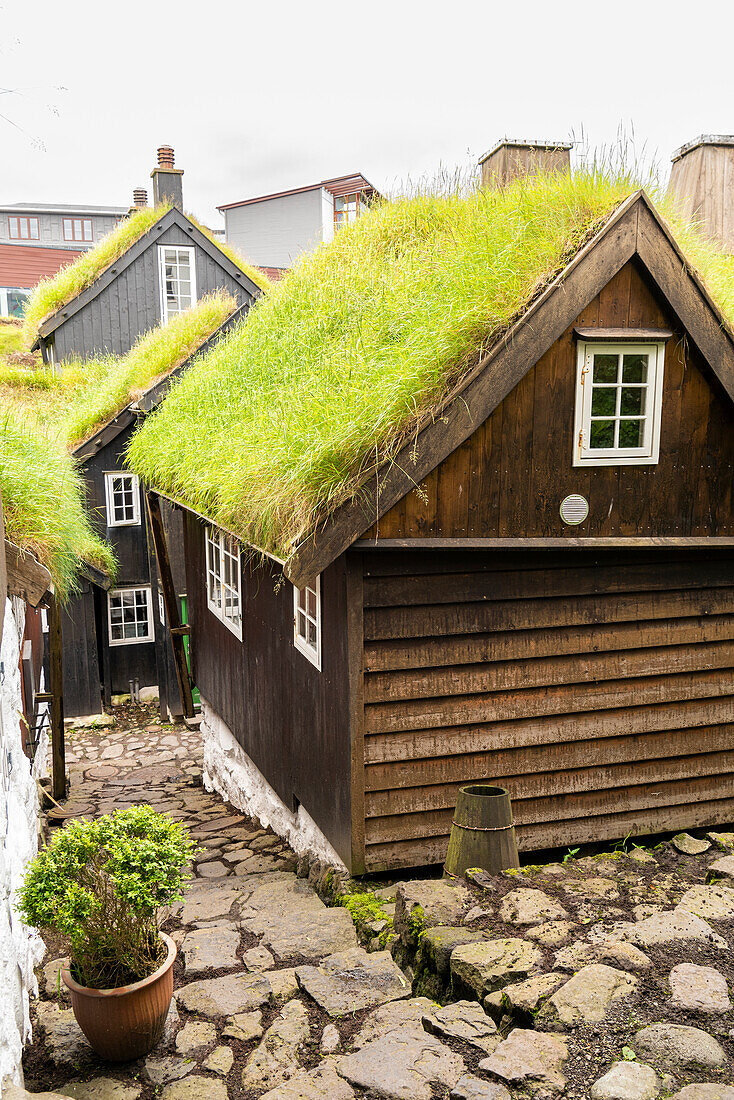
pixel 73 403
pixel 43 496
pixel 52 293
pixel 11 338
pixel 338 365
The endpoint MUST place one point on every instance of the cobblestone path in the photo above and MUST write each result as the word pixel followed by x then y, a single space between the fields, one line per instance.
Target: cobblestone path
pixel 608 977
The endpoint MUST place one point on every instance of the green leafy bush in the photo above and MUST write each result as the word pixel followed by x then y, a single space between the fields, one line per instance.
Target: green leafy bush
pixel 102 884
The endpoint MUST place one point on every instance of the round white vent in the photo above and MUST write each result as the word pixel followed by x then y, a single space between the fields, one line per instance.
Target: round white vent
pixel 574 508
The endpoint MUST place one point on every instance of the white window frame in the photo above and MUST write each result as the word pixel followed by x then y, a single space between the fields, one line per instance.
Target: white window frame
pixel 110 498
pixel 149 637
pixel 647 455
pixel 162 277
pixel 221 543
pixel 312 652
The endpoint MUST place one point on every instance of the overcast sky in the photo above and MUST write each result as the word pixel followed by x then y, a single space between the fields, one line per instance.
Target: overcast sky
pixel 258 97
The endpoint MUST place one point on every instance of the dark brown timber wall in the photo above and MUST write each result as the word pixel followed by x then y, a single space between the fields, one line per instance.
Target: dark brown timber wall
pixel 509 478
pixel 291 719
pixel 598 687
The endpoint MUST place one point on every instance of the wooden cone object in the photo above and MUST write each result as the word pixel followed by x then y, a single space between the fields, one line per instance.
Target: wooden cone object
pixel 482 832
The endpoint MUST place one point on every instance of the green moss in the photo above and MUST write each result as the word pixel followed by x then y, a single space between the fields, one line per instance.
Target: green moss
pixel 417 922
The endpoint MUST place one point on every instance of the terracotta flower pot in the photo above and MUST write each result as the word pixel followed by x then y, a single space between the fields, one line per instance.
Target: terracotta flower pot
pixel 125 1023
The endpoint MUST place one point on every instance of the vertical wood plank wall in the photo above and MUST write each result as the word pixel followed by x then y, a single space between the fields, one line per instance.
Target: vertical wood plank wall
pixel 597 687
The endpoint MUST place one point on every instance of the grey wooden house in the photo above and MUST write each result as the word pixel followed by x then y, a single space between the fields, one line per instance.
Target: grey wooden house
pixel 167 270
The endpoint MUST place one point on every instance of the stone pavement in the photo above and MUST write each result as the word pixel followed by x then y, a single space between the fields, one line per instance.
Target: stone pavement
pixel 608 977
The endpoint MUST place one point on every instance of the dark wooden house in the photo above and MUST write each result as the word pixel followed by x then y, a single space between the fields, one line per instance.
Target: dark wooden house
pixel 554 610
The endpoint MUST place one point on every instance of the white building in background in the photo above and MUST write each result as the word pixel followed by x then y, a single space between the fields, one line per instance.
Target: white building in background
pixel 272 231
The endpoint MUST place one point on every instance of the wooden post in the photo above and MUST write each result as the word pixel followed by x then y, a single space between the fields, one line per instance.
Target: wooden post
pixel 56 675
pixel 173 616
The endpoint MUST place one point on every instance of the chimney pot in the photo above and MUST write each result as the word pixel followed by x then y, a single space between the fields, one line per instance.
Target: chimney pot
pixel 167 180
pixel 700 184
pixel 140 197
pixel 165 156
pixel 509 159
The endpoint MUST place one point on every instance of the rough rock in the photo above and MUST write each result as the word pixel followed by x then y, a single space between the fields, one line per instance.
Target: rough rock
pixel 161 1069
pixel 404 1065
pixel 437 944
pixel 394 1016
pixel 671 926
pixel 101 1088
pixel 639 855
pixel 725 841
pixel 596 888
pixel 709 902
pixel 330 1040
pixel 524 998
pixel 721 868
pixel 207 901
pixel 699 989
pixel 244 1026
pixel 705 1092
pixel 283 983
pixel 623 955
pixel 53 986
pixel 64 1038
pixel 551 934
pixel 225 996
pixel 213 868
pixel 586 997
pixel 484 967
pixel 210 949
pixel 276 1057
pixel 464 1020
pixel 194 1035
pixel 258 958
pixel 426 903
pixel 575 956
pixel 526 906
pixel 220 1061
pixel 627 1081
pixel 675 1047
pixel 690 845
pixel 195 1087
pixel 529 1059
pixel 476 913
pixel 292 920
pixel 469 1087
pixel 322 1083
pixel 349 981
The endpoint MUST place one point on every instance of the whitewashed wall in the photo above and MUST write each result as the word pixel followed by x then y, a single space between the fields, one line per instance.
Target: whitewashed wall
pixel 21 948
pixel 275 232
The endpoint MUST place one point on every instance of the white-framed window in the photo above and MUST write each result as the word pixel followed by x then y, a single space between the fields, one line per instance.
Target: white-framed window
pixel 619 394
pixel 223 589
pixel 122 493
pixel 130 616
pixel 23 229
pixel 77 229
pixel 177 267
pixel 307 621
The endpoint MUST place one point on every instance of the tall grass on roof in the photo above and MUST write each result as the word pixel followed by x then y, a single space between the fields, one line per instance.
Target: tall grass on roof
pixel 43 496
pixel 337 366
pixel 53 293
pixel 73 403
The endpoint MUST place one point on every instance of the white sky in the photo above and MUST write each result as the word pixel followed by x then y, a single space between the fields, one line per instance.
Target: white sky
pixel 258 97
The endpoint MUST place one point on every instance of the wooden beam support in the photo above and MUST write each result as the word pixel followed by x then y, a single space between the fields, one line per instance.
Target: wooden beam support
pixel 681 542
pixel 26 577
pixel 173 616
pixel 56 676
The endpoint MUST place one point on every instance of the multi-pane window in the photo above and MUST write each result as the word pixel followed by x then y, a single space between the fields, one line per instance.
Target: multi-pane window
pixel 307 621
pixel 618 404
pixel 347 208
pixel 77 229
pixel 23 229
pixel 122 492
pixel 130 615
pixel 178 279
pixel 223 592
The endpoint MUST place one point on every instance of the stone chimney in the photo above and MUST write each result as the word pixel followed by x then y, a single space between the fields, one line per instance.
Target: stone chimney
pixel 510 159
pixel 702 183
pixel 167 184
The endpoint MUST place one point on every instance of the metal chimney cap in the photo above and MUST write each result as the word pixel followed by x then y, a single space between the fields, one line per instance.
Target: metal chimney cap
pixel 165 156
pixel 703 139
pixel 140 196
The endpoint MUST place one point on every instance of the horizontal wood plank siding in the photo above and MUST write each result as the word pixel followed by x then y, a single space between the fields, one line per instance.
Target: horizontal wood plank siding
pixel 597 687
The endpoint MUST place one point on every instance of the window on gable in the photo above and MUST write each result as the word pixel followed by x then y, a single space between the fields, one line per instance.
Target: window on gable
pixel 130 616
pixel 618 404
pixel 78 229
pixel 122 492
pixel 23 229
pixel 223 589
pixel 177 278
pixel 307 621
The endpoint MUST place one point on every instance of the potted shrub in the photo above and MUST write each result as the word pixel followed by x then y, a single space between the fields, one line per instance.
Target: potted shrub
pixel 102 883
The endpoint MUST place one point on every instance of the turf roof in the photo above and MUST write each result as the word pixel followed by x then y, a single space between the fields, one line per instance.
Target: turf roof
pixel 335 368
pixel 51 294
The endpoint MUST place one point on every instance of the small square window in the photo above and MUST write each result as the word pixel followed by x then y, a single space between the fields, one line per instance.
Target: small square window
pixel 122 492
pixel 223 594
pixel 130 616
pixel 618 404
pixel 307 621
